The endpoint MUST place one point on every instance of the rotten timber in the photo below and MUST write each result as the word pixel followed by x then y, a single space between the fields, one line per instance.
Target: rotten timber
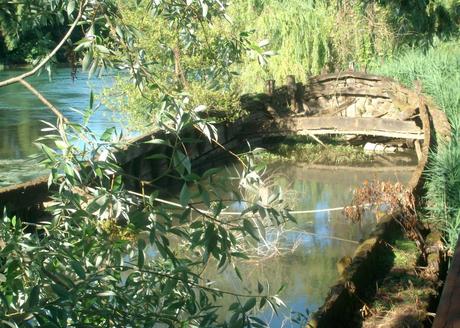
pixel 25 195
pixel 349 91
pixel 369 126
pixel 346 75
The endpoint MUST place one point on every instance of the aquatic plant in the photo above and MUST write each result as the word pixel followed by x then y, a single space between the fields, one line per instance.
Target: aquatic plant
pixel 307 150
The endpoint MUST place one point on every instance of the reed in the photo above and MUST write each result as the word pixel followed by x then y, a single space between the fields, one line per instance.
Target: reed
pixel 438 69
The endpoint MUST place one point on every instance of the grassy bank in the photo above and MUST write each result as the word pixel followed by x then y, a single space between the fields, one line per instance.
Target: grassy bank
pixel 404 295
pixel 438 69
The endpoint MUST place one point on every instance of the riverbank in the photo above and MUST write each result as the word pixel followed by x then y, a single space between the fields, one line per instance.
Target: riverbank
pixel 437 71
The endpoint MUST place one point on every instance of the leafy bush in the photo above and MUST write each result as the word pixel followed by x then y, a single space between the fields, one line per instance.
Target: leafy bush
pixel 110 257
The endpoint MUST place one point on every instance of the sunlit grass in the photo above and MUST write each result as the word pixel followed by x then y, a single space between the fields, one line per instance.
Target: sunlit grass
pixel 438 70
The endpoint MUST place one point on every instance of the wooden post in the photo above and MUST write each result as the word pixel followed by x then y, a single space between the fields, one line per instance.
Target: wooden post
pixel 418 149
pixel 270 90
pixel 292 91
pixel 270 87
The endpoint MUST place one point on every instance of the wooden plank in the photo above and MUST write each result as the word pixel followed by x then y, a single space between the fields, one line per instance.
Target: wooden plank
pixel 24 195
pixel 345 75
pixel 448 312
pixel 346 91
pixel 337 86
pixel 346 125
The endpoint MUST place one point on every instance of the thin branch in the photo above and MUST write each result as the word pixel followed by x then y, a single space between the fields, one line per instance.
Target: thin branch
pixel 45 101
pixel 187 281
pixel 18 78
pixel 191 206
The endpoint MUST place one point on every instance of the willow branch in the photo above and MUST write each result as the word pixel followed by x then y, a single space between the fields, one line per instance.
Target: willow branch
pixel 61 118
pixel 45 101
pixel 18 78
pixel 188 282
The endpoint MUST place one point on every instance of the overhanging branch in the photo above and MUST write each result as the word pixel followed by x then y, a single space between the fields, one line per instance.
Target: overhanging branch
pixel 45 101
pixel 18 78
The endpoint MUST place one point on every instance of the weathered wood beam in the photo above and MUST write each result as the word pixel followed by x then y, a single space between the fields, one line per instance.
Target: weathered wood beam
pixel 345 75
pixel 24 195
pixel 375 133
pixel 447 313
pixel 341 125
pixel 346 91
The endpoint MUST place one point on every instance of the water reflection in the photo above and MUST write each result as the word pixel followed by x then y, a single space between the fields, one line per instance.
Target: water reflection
pixel 320 240
pixel 21 114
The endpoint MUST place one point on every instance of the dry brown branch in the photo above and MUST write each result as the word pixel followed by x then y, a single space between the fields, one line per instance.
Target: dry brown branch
pixel 388 198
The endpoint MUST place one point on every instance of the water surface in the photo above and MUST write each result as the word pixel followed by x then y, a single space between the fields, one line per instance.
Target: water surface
pixel 318 241
pixel 315 244
pixel 21 114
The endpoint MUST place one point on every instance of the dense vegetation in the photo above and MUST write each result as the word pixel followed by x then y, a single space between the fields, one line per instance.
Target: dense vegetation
pixel 89 265
pixel 29 30
pixel 303 38
pixel 438 69
pixel 310 36
pixel 108 257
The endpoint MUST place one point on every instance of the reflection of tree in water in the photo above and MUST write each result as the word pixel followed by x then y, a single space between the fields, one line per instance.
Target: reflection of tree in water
pixel 308 273
pixel 310 270
pixel 18 141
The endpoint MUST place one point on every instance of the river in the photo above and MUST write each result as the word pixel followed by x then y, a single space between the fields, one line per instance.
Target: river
pixel 318 241
pixel 21 114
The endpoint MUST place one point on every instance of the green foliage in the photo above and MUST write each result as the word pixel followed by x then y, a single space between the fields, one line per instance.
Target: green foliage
pixel 310 36
pixel 110 257
pixel 221 104
pixel 443 190
pixel 298 37
pixel 192 57
pixel 418 22
pixel 298 32
pixel 438 70
pixel 30 29
pixel 125 97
